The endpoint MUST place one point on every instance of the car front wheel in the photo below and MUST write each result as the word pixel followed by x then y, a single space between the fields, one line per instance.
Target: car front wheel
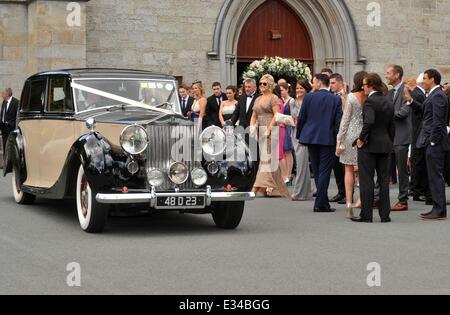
pixel 91 214
pixel 21 197
pixel 228 215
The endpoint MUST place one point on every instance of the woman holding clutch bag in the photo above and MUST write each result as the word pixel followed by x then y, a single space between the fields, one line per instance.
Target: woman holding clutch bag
pixel 351 126
pixel 268 180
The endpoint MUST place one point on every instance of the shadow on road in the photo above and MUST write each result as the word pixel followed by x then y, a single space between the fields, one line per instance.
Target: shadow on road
pixel 64 213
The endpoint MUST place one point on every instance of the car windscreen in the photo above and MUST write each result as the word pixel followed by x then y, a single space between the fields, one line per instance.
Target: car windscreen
pixel 98 93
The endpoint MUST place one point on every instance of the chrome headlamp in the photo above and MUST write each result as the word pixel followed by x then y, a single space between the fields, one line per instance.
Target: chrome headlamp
pixel 213 140
pixel 156 178
pixel 178 173
pixel 134 139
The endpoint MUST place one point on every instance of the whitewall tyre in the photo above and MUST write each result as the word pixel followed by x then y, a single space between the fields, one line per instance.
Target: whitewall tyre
pixel 91 215
pixel 21 197
pixel 228 215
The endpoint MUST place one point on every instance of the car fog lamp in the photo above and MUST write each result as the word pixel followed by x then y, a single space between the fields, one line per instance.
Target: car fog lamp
pixel 199 177
pixel 133 167
pixel 213 168
pixel 156 178
pixel 178 173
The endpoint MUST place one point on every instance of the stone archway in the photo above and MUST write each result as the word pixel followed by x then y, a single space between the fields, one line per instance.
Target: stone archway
pixel 329 23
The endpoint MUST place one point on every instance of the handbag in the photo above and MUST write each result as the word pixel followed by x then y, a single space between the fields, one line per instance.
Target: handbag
pixel 284 119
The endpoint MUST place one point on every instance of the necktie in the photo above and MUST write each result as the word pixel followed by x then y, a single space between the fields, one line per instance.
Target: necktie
pixel 394 94
pixel 219 101
pixel 184 104
pixel 249 102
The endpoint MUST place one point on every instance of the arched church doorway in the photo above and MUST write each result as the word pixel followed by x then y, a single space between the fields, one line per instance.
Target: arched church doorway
pixel 273 29
pixel 328 24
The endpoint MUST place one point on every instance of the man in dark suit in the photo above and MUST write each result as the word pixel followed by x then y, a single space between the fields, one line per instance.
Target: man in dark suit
pixel 186 101
pixel 338 88
pixel 213 106
pixel 415 96
pixel 244 110
pixel 318 126
pixel 403 133
pixel 8 115
pixel 434 138
pixel 375 146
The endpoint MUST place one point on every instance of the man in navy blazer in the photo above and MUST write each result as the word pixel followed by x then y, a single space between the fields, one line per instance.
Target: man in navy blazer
pixel 434 138
pixel 318 126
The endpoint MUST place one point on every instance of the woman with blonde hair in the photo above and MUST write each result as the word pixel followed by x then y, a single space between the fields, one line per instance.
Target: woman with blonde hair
pixel 199 106
pixel 268 180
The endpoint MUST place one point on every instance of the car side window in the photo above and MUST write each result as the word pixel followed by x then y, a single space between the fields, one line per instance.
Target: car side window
pixel 59 100
pixel 25 98
pixel 36 97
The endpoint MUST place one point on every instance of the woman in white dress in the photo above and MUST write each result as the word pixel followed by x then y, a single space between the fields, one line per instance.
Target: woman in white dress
pixel 199 106
pixel 351 127
pixel 228 107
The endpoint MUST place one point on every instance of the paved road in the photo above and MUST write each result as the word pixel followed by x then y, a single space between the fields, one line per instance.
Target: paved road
pixel 280 248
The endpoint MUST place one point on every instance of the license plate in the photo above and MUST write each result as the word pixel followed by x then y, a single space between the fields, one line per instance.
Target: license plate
pixel 180 202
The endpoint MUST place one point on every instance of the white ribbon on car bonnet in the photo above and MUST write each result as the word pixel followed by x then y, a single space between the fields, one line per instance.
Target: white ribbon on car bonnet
pixel 118 98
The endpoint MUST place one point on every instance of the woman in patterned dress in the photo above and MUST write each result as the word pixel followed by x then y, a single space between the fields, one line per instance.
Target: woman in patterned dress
pixel 268 180
pixel 351 126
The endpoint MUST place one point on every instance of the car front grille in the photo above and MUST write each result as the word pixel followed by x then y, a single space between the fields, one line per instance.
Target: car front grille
pixel 165 139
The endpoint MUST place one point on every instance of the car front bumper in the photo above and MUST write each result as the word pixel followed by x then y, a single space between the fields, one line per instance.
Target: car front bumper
pixel 151 198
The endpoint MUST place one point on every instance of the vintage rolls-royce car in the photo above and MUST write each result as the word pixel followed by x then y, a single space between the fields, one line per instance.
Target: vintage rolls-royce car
pixel 110 138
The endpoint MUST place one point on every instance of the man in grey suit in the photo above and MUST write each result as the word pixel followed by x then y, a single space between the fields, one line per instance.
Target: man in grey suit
pixel 403 132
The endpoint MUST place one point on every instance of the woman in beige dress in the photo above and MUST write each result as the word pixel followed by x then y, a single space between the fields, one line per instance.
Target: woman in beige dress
pixel 269 181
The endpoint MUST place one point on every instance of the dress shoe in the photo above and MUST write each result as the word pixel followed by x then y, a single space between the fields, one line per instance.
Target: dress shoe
pixel 361 220
pixel 388 220
pixel 433 217
pixel 338 198
pixel 420 199
pixel 315 195
pixel 399 207
pixel 324 210
pixel 426 214
pixel 342 202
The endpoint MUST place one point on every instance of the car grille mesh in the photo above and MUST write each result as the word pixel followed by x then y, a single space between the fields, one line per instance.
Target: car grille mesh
pixel 162 141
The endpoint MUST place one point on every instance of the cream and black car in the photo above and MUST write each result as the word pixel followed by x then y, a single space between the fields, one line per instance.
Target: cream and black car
pixel 110 138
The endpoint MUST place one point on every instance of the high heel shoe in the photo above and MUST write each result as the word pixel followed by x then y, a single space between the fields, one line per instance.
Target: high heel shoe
pixel 349 214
